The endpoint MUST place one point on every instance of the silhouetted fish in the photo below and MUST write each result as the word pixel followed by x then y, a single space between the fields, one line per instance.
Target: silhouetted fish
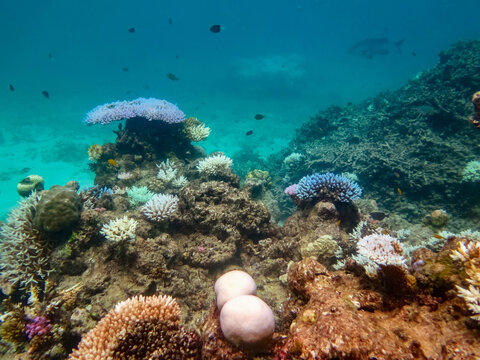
pixel 172 77
pixel 170 21
pixel 125 69
pixel 259 117
pixel 414 53
pixel 370 48
pixel 378 215
pixel 50 56
pixel 10 86
pixel 215 28
pixel 46 94
pixel 131 30
pixel 249 132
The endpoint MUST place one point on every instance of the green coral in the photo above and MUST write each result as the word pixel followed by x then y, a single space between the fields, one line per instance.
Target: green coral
pixel 259 176
pixel 471 172
pixel 139 195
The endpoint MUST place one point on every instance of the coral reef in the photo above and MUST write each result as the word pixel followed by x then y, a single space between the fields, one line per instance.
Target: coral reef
pixel 160 207
pixel 416 139
pixel 121 229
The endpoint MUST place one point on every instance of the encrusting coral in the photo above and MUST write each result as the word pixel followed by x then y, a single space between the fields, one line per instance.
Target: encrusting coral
pixel 140 328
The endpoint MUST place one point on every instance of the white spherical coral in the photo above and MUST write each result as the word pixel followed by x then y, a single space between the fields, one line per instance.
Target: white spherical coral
pixel 120 229
pixel 213 165
pixel 381 249
pixel 160 207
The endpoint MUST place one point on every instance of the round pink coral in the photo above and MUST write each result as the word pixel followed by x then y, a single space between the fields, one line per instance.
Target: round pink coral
pixel 233 283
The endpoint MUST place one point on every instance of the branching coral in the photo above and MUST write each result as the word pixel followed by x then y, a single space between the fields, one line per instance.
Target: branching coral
pixel 140 328
pixel 121 229
pixel 24 254
pixel 195 130
pixel 381 249
pixel 160 207
pixel 139 195
pixel 214 165
pixel 468 252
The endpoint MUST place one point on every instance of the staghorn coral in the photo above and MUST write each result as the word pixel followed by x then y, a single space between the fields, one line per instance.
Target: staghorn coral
pixel 150 109
pixel 23 251
pixel 121 229
pixel 160 207
pixel 214 165
pixel 140 328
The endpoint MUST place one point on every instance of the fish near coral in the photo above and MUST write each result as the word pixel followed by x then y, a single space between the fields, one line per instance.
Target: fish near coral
pixel 112 162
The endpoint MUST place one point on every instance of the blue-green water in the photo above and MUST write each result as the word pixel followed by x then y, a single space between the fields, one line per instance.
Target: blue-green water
pixel 283 59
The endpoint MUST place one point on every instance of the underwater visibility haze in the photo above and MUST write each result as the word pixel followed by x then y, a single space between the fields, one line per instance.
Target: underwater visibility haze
pixel 240 180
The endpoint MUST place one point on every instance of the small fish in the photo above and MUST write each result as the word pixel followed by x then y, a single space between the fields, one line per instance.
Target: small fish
pixel 438 236
pixel 384 232
pixel 215 29
pixel 172 77
pixel 399 191
pixel 338 222
pixel 46 94
pixel 378 215
pixel 414 53
pixel 125 69
pixel 170 21
pixel 50 56
pixel 112 162
pixel 131 30
pixel 249 132
pixel 10 86
pixel 259 117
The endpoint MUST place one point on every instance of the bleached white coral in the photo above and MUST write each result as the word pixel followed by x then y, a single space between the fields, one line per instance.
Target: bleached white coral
pixel 382 249
pixel 120 229
pixel 180 182
pixel 166 171
pixel 139 195
pixel 160 207
pixel 468 252
pixel 214 165
pixel 197 132
pixel 23 252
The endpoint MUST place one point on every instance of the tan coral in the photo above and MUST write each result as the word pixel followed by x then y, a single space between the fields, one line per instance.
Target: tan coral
pixel 138 328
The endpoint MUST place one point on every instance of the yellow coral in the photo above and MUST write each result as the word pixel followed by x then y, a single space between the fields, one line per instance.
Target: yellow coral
pixel 94 152
pixel 195 130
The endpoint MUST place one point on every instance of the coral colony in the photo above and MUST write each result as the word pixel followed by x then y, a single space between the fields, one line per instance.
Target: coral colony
pixel 172 255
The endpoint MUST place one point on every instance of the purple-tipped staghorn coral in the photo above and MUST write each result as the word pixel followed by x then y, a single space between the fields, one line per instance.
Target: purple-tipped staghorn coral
pixel 150 109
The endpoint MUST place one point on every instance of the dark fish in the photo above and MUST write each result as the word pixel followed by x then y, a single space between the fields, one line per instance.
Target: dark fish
pixel 172 77
pixel 414 53
pixel 215 28
pixel 46 94
pixel 249 132
pixel 259 117
pixel 50 56
pixel 369 48
pixel 125 69
pixel 131 30
pixel 170 21
pixel 378 215
pixel 10 86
